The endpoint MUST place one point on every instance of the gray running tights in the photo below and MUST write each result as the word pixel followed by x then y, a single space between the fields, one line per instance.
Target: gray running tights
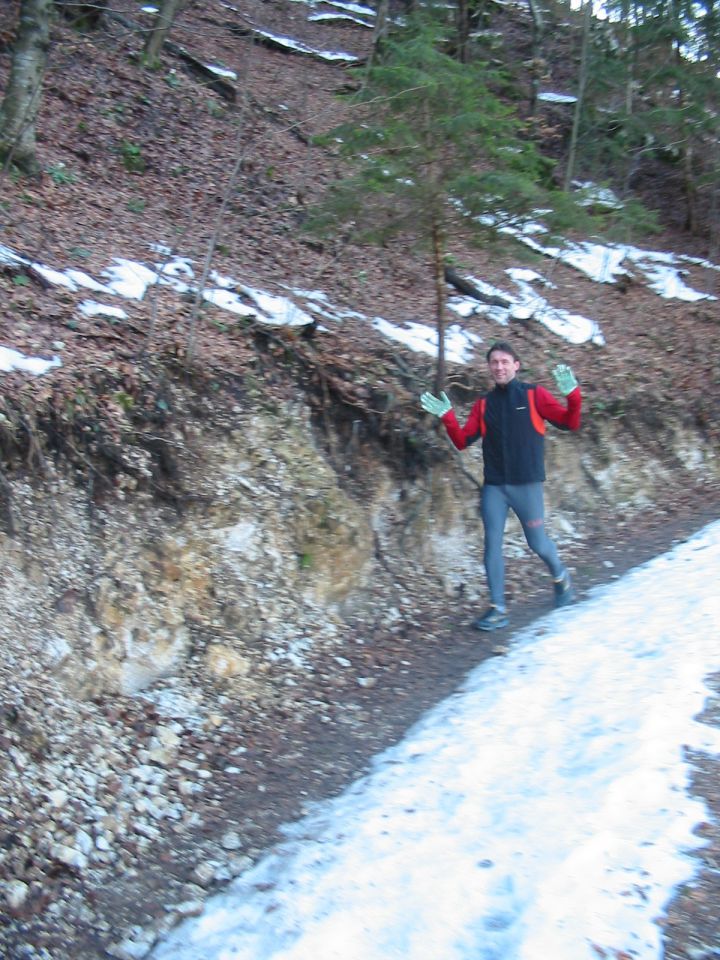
pixel 526 501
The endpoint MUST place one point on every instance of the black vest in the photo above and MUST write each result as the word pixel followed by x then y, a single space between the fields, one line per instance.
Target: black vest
pixel 513 435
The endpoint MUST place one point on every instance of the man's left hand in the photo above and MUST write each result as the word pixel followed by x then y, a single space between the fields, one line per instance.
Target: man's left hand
pixel 564 378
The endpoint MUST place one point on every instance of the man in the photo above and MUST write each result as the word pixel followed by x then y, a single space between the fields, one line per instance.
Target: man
pixel 510 419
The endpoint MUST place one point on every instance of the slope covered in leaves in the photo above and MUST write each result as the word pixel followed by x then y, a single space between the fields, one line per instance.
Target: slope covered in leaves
pixel 151 165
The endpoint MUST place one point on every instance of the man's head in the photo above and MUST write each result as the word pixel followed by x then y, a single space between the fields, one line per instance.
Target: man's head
pixel 503 362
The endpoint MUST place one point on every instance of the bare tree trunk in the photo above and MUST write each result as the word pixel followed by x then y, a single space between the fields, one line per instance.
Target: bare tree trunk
pixel 380 32
pixel 714 218
pixel 630 51
pixel 537 52
pixel 711 27
pixel 161 28
pixel 24 90
pixel 580 103
pixel 438 248
pixel 691 192
pixel 463 30
pixel 219 225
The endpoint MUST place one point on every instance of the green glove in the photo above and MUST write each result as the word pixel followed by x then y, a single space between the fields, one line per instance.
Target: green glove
pixel 564 378
pixel 431 404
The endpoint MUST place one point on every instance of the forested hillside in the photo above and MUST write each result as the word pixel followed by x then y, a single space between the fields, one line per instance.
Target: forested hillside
pixel 210 152
pixel 238 241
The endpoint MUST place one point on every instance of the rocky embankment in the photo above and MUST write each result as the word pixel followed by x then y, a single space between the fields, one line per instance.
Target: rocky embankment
pixel 176 685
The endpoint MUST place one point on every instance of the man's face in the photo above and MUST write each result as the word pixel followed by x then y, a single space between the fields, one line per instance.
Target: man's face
pixel 502 367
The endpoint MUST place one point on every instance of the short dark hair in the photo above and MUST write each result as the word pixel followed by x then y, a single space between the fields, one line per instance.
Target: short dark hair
pixel 502 346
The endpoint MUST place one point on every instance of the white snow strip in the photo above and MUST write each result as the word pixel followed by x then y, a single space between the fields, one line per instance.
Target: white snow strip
pixel 604 263
pixel 598 261
pixel 319 304
pixel 14 360
pixel 91 308
pixel 221 71
pixel 161 248
pixel 221 281
pixel 268 309
pixel 572 327
pixel 228 300
pixel 470 307
pixel 668 283
pixel 329 55
pixel 549 97
pixel 10 257
pixel 697 261
pixel 278 310
pixel 663 275
pixel 598 196
pixel 459 343
pixel 55 277
pixel 525 275
pixel 169 274
pixel 333 17
pixel 358 8
pixel 82 279
pixel 129 279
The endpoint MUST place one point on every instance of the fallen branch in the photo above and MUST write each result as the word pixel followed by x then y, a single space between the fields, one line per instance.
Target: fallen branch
pixel 209 77
pixel 289 46
pixel 470 290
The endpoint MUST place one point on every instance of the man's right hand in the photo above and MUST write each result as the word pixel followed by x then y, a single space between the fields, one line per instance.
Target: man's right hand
pixel 431 404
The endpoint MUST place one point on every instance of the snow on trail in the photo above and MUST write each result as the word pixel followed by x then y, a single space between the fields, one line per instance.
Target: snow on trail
pixel 540 812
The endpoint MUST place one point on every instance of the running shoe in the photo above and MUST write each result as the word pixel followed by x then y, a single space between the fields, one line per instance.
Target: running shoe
pixel 492 619
pixel 564 593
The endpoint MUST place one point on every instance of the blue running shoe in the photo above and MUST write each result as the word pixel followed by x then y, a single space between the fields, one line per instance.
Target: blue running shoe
pixel 564 593
pixel 492 619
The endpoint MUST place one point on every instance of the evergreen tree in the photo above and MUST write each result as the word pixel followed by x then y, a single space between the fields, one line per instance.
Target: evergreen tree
pixel 650 91
pixel 434 152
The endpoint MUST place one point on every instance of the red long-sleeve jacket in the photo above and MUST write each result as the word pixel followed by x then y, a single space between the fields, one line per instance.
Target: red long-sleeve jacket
pixel 511 422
